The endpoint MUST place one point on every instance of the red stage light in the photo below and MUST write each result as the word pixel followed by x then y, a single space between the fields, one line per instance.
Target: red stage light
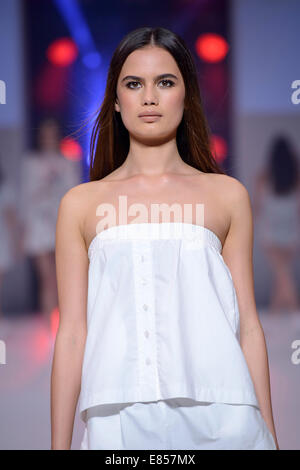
pixel 218 147
pixel 49 87
pixel 211 47
pixel 54 321
pixel 71 149
pixel 62 52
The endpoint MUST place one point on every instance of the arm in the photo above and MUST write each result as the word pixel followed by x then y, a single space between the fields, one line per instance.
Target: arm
pixel 237 254
pixel 24 199
pixel 72 274
pixel 10 214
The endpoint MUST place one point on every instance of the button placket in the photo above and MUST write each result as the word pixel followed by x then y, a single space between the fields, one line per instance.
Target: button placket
pixel 145 306
pixel 145 314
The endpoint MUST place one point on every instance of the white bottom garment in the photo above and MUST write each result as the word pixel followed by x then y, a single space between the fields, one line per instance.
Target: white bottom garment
pixel 177 423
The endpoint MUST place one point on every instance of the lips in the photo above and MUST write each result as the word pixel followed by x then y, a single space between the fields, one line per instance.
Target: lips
pixel 150 118
pixel 149 115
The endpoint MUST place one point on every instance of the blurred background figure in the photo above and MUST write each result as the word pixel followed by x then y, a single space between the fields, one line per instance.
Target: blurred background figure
pixel 8 227
pixel 277 206
pixel 45 177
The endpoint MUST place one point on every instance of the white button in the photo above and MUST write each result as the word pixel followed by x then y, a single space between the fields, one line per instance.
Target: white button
pixel 145 307
pixel 146 333
pixel 148 362
pixel 144 281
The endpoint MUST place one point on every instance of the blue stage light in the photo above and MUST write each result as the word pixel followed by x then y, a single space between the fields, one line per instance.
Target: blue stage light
pixel 92 60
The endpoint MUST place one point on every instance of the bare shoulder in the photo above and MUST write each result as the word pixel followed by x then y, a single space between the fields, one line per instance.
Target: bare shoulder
pixel 73 198
pixel 233 193
pixel 83 192
pixel 75 201
pixel 236 189
pixel 227 186
pixel 241 212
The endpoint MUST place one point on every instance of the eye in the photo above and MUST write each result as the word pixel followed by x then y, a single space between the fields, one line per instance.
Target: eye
pixel 129 83
pixel 168 81
pixel 165 80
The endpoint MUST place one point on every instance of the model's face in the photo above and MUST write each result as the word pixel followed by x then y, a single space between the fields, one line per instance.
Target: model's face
pixel 150 93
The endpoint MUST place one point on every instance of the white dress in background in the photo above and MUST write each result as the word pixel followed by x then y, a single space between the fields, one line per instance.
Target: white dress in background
pixel 7 199
pixel 279 219
pixel 45 178
pixel 163 367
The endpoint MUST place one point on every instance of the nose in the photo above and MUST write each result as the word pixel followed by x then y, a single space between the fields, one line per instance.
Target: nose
pixel 150 101
pixel 149 97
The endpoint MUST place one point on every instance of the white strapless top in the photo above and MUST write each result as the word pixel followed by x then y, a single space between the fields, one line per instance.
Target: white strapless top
pixel 162 319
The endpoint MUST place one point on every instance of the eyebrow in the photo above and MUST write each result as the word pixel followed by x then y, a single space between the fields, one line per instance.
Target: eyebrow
pixel 158 77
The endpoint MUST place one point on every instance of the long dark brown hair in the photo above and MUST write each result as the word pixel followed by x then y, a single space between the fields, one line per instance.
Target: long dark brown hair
pixel 283 166
pixel 109 145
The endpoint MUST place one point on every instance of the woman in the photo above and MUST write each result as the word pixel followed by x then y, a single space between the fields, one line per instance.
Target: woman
pixel 8 225
pixel 149 318
pixel 277 206
pixel 46 176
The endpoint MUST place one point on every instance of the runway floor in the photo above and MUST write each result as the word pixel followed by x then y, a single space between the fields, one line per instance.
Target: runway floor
pixel 25 381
